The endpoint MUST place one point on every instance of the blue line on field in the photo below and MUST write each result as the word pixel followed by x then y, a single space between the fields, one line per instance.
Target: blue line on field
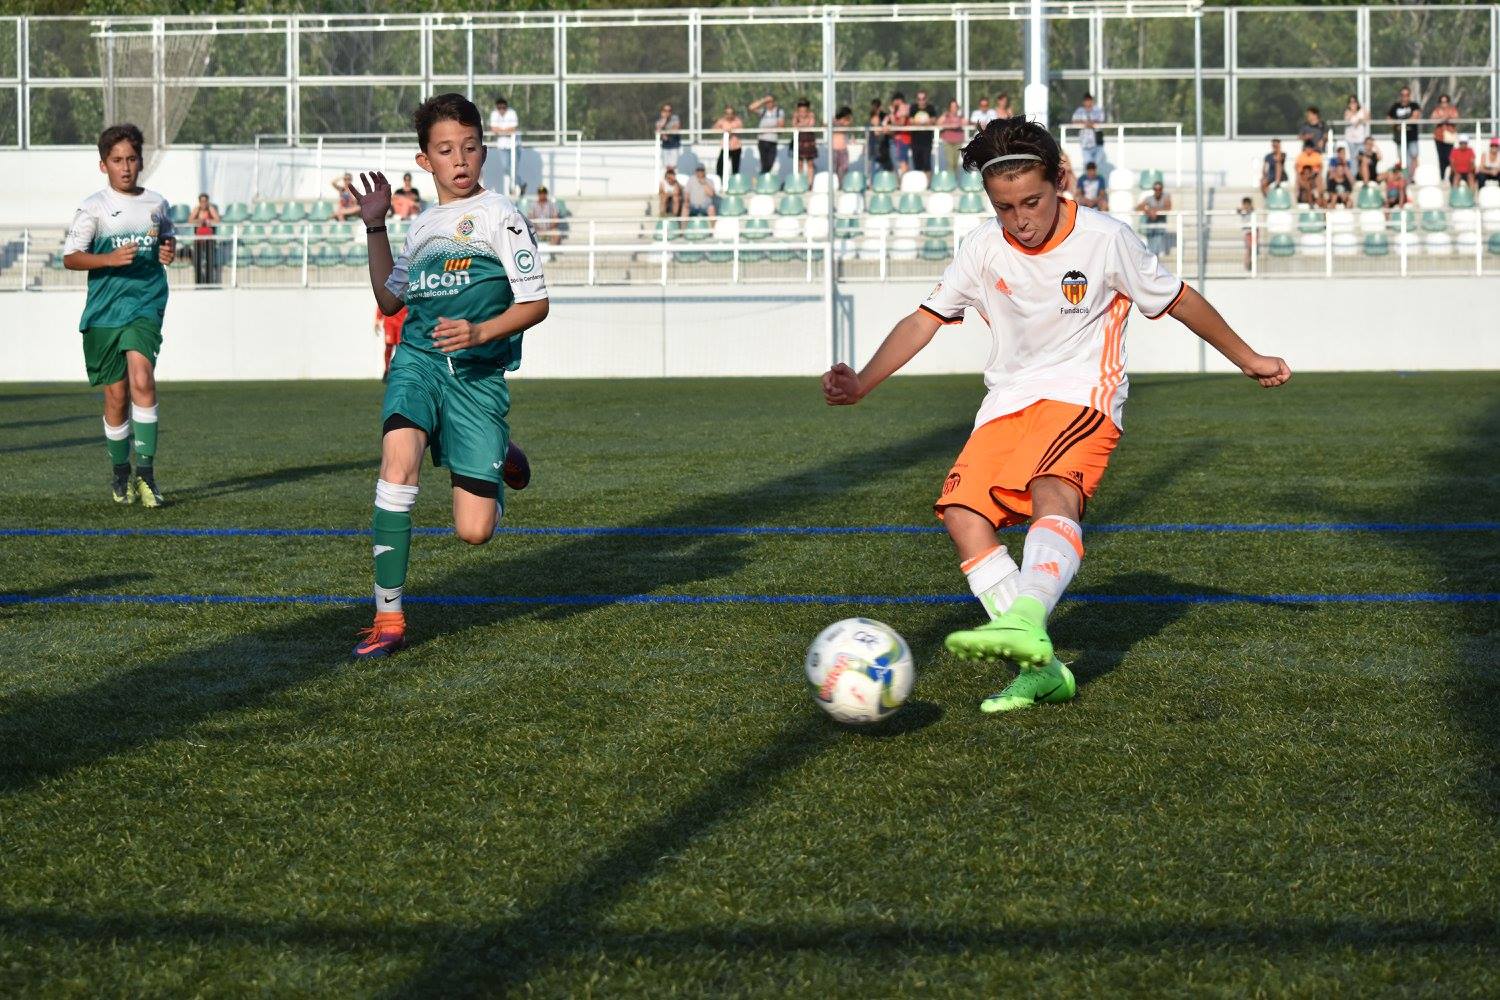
pixel 698 530
pixel 592 600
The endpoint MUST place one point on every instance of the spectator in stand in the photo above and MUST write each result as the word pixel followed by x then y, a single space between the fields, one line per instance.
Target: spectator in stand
pixel 877 139
pixel 1002 106
pixel 842 122
pixel 923 118
pixel 1246 212
pixel 406 200
pixel 670 198
pixel 1395 187
pixel 1155 207
pixel 1314 130
pixel 1340 182
pixel 952 135
pixel 806 124
pixel 505 132
pixel 729 124
pixel 1356 128
pixel 898 124
pixel 546 218
pixel 1310 177
pixel 772 119
pixel 347 206
pixel 1461 165
pixel 1404 110
pixel 1090 192
pixel 668 130
pixel 1489 167
pixel 701 194
pixel 1087 116
pixel 1273 168
pixel 205 220
pixel 390 328
pixel 983 115
pixel 1369 161
pixel 1444 132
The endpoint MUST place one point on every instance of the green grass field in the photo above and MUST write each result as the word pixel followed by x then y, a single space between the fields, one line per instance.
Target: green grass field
pixel 574 795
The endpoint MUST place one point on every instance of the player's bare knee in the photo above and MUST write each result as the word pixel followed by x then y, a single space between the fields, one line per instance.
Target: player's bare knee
pixel 474 534
pixel 1055 495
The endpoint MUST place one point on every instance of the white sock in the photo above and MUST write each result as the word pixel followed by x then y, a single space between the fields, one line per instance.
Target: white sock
pixel 119 433
pixel 994 578
pixel 1054 550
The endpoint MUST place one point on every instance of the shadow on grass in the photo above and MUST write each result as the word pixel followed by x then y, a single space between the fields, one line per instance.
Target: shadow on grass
pixel 17 425
pixel 271 478
pixel 81 585
pixel 58 445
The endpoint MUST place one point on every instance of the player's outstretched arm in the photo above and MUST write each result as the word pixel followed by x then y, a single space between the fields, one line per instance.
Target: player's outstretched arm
pixel 374 205
pixel 842 386
pixel 120 256
pixel 1197 314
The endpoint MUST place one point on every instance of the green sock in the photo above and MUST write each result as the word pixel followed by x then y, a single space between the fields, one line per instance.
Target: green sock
pixel 391 531
pixel 119 451
pixel 144 419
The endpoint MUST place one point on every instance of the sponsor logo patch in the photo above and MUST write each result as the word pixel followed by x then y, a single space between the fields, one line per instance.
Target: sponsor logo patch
pixel 465 228
pixel 525 261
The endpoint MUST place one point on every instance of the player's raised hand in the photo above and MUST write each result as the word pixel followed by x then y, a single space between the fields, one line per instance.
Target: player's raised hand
pixel 455 334
pixel 122 255
pixel 1268 371
pixel 375 200
pixel 166 250
pixel 841 386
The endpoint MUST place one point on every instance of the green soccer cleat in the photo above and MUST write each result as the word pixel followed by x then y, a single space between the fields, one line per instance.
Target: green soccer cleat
pixel 1019 635
pixel 1052 683
pixel 145 487
pixel 123 488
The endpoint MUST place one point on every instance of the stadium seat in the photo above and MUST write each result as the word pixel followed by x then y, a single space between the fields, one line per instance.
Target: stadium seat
pixel 726 229
pixel 817 228
pixel 357 254
pixel 1345 244
pixel 762 206
pixel 907 226
pixel 1491 219
pixel 1465 220
pixel 1460 197
pixel 968 180
pixel 963 225
pixel 326 255
pixel 180 214
pixel 732 205
pixel 1412 241
pixel 1369 197
pixel 1430 198
pixel 944 181
pixel 697 229
pixel 767 184
pixel 878 223
pixel 1282 245
pixel 817 204
pixel 885 182
pixel 871 247
pixel 267 255
pixel 1434 222
pixel 850 203
pixel 821 180
pixel 1311 244
pixel 1310 222
pixel 1377 245
pixel 1372 221
pixel 936 248
pixel 848 228
pixel 853 182
pixel 1407 216
pixel 292 211
pixel 903 247
pixel 914 181
pixel 756 229
pixel 1279 199
pixel 1150 177
pixel 1493 244
pixel 737 184
pixel 910 203
pixel 787 228
pixel 937 226
pixel 1122 179
pixel 665 229
pixel 235 212
pixel 1489 196
pixel 970 203
pixel 940 203
pixel 264 211
pixel 321 211
pixel 792 204
pixel 879 204
pixel 1426 174
pixel 1465 244
pixel 796 184
pixel 1437 244
pixel 1341 220
pixel 1121 201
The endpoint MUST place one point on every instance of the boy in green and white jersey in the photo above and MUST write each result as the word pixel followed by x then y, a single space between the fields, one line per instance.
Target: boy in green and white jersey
pixel 471 279
pixel 122 236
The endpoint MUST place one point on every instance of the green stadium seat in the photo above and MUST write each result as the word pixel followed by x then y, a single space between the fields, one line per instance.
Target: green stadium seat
pixel 1150 177
pixel 970 181
pixel 936 248
pixel 879 204
pixel 321 211
pixel 1310 222
pixel 853 182
pixel 267 255
pixel 970 203
pixel 944 180
pixel 1460 197
pixel 690 257
pixel 357 254
pixel 755 229
pixel 720 256
pixel 1494 243
pixel 180 215
pixel 254 233
pixel 937 227
pixel 792 204
pixel 732 205
pixel 292 211
pixel 1411 218
pixel 1369 197
pixel 1282 245
pixel 767 184
pixel 235 212
pixel 697 229
pixel 1279 199
pixel 885 182
pixel 847 227
pixel 264 211
pixel 1435 221
pixel 737 184
pixel 796 184
pixel 665 229
pixel 1377 245
pixel 910 203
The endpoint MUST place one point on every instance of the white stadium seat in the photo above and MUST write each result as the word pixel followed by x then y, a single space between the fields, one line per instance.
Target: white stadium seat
pixel 1279 222
pixel 1464 220
pixel 1430 197
pixel 871 247
pixel 820 182
pixel 908 225
pixel 817 204
pixel 904 247
pixel 787 227
pixel 1123 179
pixel 762 206
pixel 878 224
pixel 914 180
pixel 850 203
pixel 817 228
pixel 1341 220
pixel 963 225
pixel 940 203
pixel 1411 239
pixel 1491 219
pixel 1465 243
pixel 1489 196
pixel 1122 201
pixel 1345 245
pixel 1312 243
pixel 1372 220
pixel 726 229
pixel 1426 173
pixel 1438 244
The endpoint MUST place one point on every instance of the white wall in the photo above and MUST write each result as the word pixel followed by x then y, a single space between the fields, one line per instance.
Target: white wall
pixel 1370 324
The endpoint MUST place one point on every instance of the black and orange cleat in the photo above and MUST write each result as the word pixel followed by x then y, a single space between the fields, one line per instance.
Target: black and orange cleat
pixel 386 636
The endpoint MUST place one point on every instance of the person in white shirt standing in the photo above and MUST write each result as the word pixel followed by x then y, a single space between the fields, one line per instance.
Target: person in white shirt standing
pixel 1054 282
pixel 505 132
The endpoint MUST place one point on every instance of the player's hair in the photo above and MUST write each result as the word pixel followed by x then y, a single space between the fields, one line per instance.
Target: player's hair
pixel 445 108
pixel 1008 136
pixel 124 132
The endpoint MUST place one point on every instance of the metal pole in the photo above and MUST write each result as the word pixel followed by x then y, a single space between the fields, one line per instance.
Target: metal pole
pixel 1035 94
pixel 469 59
pixel 830 281
pixel 25 256
pixel 1198 152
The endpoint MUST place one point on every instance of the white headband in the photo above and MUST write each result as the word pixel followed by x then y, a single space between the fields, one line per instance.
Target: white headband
pixel 1010 156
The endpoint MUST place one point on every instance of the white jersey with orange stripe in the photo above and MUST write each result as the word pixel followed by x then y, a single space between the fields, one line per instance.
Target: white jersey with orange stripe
pixel 1056 312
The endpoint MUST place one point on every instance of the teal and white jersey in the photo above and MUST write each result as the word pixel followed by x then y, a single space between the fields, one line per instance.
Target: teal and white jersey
pixel 105 221
pixel 468 259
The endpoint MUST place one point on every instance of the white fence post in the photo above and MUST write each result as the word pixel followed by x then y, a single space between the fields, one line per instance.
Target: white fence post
pixel 592 273
pixel 234 258
pixel 1328 242
pixel 25 257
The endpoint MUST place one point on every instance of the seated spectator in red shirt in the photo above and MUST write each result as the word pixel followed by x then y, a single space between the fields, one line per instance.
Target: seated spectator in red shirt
pixel 406 200
pixel 1461 164
pixel 1395 187
pixel 1090 192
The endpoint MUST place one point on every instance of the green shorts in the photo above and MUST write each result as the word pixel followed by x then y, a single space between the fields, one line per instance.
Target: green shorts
pixel 104 348
pixel 462 409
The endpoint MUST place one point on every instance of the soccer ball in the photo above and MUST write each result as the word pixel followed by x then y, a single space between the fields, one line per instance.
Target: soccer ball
pixel 860 670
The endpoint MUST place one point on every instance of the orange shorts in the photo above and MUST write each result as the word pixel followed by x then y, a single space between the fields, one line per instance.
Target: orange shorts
pixel 993 474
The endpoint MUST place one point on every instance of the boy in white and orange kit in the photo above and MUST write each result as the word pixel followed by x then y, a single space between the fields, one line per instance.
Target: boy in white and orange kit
pixel 1055 283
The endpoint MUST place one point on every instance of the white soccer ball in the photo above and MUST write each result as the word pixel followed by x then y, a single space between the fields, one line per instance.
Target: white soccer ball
pixel 860 670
